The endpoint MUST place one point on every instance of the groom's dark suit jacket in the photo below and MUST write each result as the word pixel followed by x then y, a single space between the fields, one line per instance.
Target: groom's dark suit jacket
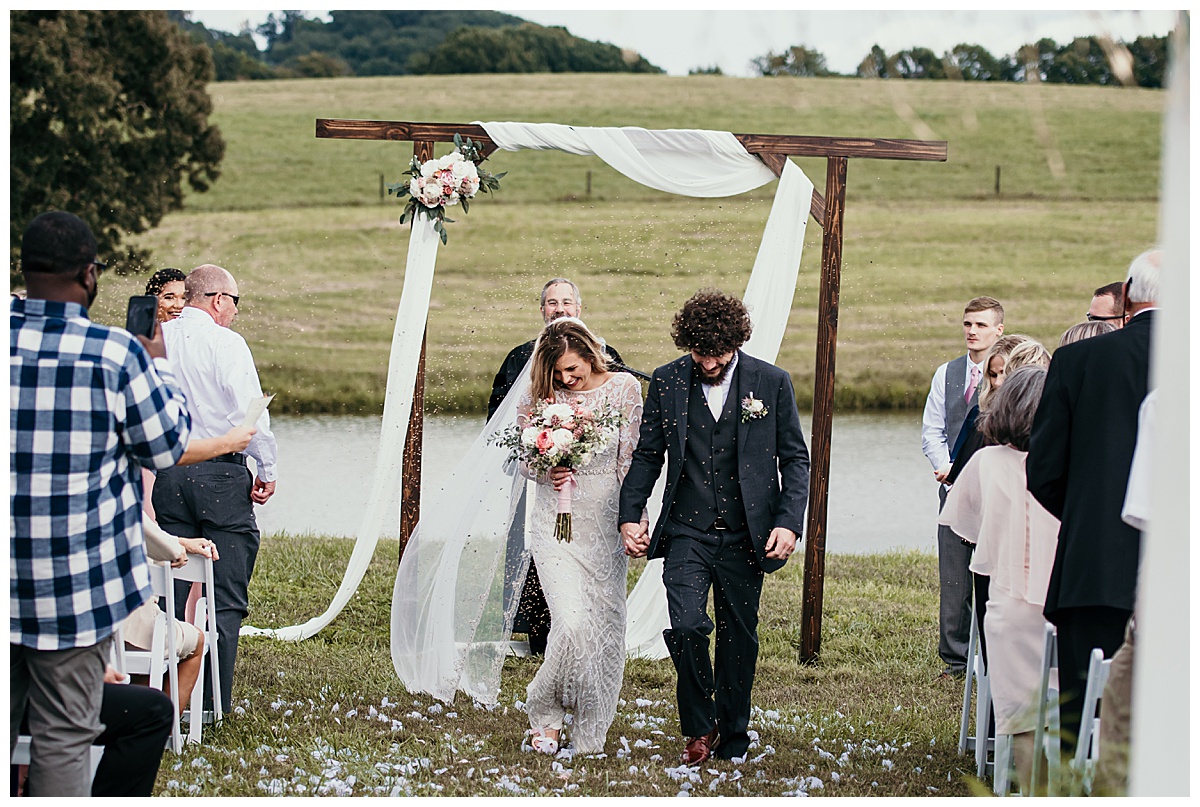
pixel 1080 451
pixel 772 458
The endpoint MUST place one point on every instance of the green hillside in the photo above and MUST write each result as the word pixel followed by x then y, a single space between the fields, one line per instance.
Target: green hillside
pixel 320 259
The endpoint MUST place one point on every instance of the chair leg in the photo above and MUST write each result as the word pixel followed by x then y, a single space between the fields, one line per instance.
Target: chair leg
pixel 983 719
pixel 1001 773
pixel 963 743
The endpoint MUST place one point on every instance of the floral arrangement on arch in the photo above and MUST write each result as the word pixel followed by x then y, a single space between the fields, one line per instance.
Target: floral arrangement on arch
pixel 443 182
pixel 560 435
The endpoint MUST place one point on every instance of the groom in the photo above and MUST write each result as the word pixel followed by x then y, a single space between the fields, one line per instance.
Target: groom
pixel 737 486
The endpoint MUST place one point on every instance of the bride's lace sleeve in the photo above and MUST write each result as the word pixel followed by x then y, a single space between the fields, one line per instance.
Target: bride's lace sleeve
pixel 629 401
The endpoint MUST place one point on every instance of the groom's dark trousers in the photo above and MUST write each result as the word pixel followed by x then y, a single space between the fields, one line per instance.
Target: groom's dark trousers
pixel 723 561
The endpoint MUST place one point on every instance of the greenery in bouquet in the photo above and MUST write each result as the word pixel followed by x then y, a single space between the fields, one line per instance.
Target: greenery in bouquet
pixel 443 182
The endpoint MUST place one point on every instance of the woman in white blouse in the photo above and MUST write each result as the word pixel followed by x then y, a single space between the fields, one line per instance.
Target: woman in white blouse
pixel 1015 542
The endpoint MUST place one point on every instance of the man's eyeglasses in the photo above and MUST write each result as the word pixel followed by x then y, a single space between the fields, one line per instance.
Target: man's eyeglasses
pixel 233 297
pixel 100 267
pixel 1097 318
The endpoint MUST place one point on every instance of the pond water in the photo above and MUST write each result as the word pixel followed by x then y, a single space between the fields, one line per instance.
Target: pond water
pixel 881 490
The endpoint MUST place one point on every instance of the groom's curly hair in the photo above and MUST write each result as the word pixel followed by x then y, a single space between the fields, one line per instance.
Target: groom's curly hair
pixel 712 323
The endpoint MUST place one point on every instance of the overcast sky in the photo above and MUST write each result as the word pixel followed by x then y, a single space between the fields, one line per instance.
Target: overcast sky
pixel 680 40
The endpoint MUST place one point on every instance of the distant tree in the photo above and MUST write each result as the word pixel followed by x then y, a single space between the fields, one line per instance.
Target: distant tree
pixel 715 70
pixel 975 63
pixel 1083 61
pixel 916 63
pixel 798 60
pixel 1149 60
pixel 319 65
pixel 526 48
pixel 874 64
pixel 1036 59
pixel 371 43
pixel 109 113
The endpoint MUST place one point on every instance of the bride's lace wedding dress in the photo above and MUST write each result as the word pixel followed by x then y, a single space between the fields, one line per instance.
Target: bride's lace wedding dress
pixel 584 581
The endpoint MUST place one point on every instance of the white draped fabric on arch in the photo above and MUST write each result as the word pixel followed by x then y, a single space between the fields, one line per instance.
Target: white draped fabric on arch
pixel 451 618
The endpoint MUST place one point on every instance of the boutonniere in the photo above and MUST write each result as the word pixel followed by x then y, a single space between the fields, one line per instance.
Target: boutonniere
pixel 753 409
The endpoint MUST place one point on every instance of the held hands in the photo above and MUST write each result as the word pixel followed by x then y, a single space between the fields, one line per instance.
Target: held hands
pixel 636 537
pixel 781 543
pixel 261 491
pixel 941 473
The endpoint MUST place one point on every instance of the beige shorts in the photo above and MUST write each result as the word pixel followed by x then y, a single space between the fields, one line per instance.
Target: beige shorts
pixel 138 631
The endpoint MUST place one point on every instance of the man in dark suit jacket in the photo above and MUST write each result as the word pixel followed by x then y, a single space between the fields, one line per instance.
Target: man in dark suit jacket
pixel 560 298
pixel 737 487
pixel 1080 451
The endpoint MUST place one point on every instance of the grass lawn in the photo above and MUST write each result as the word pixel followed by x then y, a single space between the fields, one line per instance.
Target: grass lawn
pixel 329 716
pixel 320 260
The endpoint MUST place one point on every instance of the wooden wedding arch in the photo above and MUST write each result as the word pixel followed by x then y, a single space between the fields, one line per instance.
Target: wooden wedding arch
pixel 828 211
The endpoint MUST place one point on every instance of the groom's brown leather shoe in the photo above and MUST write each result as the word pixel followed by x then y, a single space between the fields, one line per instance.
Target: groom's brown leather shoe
pixel 699 749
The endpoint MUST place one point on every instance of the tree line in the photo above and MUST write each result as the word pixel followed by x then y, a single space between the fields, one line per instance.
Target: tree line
pixel 1084 60
pixel 392 43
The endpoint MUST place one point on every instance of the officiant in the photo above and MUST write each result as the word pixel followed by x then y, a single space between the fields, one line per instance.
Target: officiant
pixel 560 298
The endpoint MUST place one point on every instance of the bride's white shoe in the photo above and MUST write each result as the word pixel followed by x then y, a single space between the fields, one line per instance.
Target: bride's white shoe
pixel 542 742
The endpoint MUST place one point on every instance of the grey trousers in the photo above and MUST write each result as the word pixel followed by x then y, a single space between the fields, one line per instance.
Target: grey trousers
pixel 62 690
pixel 212 500
pixel 954 577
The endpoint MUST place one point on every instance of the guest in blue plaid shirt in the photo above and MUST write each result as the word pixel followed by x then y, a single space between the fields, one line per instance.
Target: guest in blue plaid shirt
pixel 89 407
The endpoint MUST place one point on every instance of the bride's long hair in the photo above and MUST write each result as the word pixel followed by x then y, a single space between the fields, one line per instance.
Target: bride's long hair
pixel 559 337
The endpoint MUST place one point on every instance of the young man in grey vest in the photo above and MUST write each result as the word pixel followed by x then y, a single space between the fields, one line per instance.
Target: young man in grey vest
pixel 951 395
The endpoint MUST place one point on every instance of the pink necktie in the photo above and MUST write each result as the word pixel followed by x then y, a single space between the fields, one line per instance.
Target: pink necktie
pixel 974 383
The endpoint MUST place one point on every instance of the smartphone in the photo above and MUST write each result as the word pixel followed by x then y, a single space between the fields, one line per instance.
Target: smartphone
pixel 142 316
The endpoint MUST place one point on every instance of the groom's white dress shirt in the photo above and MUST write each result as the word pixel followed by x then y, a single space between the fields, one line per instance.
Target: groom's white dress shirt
pixel 716 394
pixel 216 372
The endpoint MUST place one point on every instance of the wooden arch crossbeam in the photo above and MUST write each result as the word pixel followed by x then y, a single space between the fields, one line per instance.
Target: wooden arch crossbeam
pixel 828 211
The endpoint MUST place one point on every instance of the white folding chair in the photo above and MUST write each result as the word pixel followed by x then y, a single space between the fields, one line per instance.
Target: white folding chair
pixel 983 703
pixel 162 657
pixel 199 569
pixel 20 755
pixel 1087 750
pixel 1048 744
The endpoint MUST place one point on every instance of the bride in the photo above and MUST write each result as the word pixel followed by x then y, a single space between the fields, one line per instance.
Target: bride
pixel 583 579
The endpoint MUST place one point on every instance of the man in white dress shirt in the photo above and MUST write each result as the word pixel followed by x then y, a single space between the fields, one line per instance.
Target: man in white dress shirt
pixel 951 395
pixel 216 498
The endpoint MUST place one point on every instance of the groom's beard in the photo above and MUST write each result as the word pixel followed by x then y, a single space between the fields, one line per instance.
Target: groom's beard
pixel 718 378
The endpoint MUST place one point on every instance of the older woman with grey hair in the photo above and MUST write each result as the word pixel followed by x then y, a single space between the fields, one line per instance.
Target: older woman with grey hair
pixel 1015 541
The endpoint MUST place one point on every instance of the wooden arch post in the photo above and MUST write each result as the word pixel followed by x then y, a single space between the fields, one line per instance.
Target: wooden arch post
pixel 827 210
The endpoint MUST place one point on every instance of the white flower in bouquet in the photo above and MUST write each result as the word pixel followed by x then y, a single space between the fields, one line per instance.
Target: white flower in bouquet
pixel 462 169
pixel 431 194
pixel 450 198
pixel 529 436
pixel 562 411
pixel 450 159
pixel 563 438
pixel 429 168
pixel 414 186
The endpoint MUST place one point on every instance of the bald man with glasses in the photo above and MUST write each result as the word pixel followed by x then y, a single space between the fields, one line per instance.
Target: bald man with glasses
pixel 215 499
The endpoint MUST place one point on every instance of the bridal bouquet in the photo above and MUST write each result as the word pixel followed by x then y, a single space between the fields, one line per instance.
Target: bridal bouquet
pixel 443 182
pixel 560 435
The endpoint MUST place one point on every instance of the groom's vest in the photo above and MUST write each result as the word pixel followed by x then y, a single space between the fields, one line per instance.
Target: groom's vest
pixel 708 486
